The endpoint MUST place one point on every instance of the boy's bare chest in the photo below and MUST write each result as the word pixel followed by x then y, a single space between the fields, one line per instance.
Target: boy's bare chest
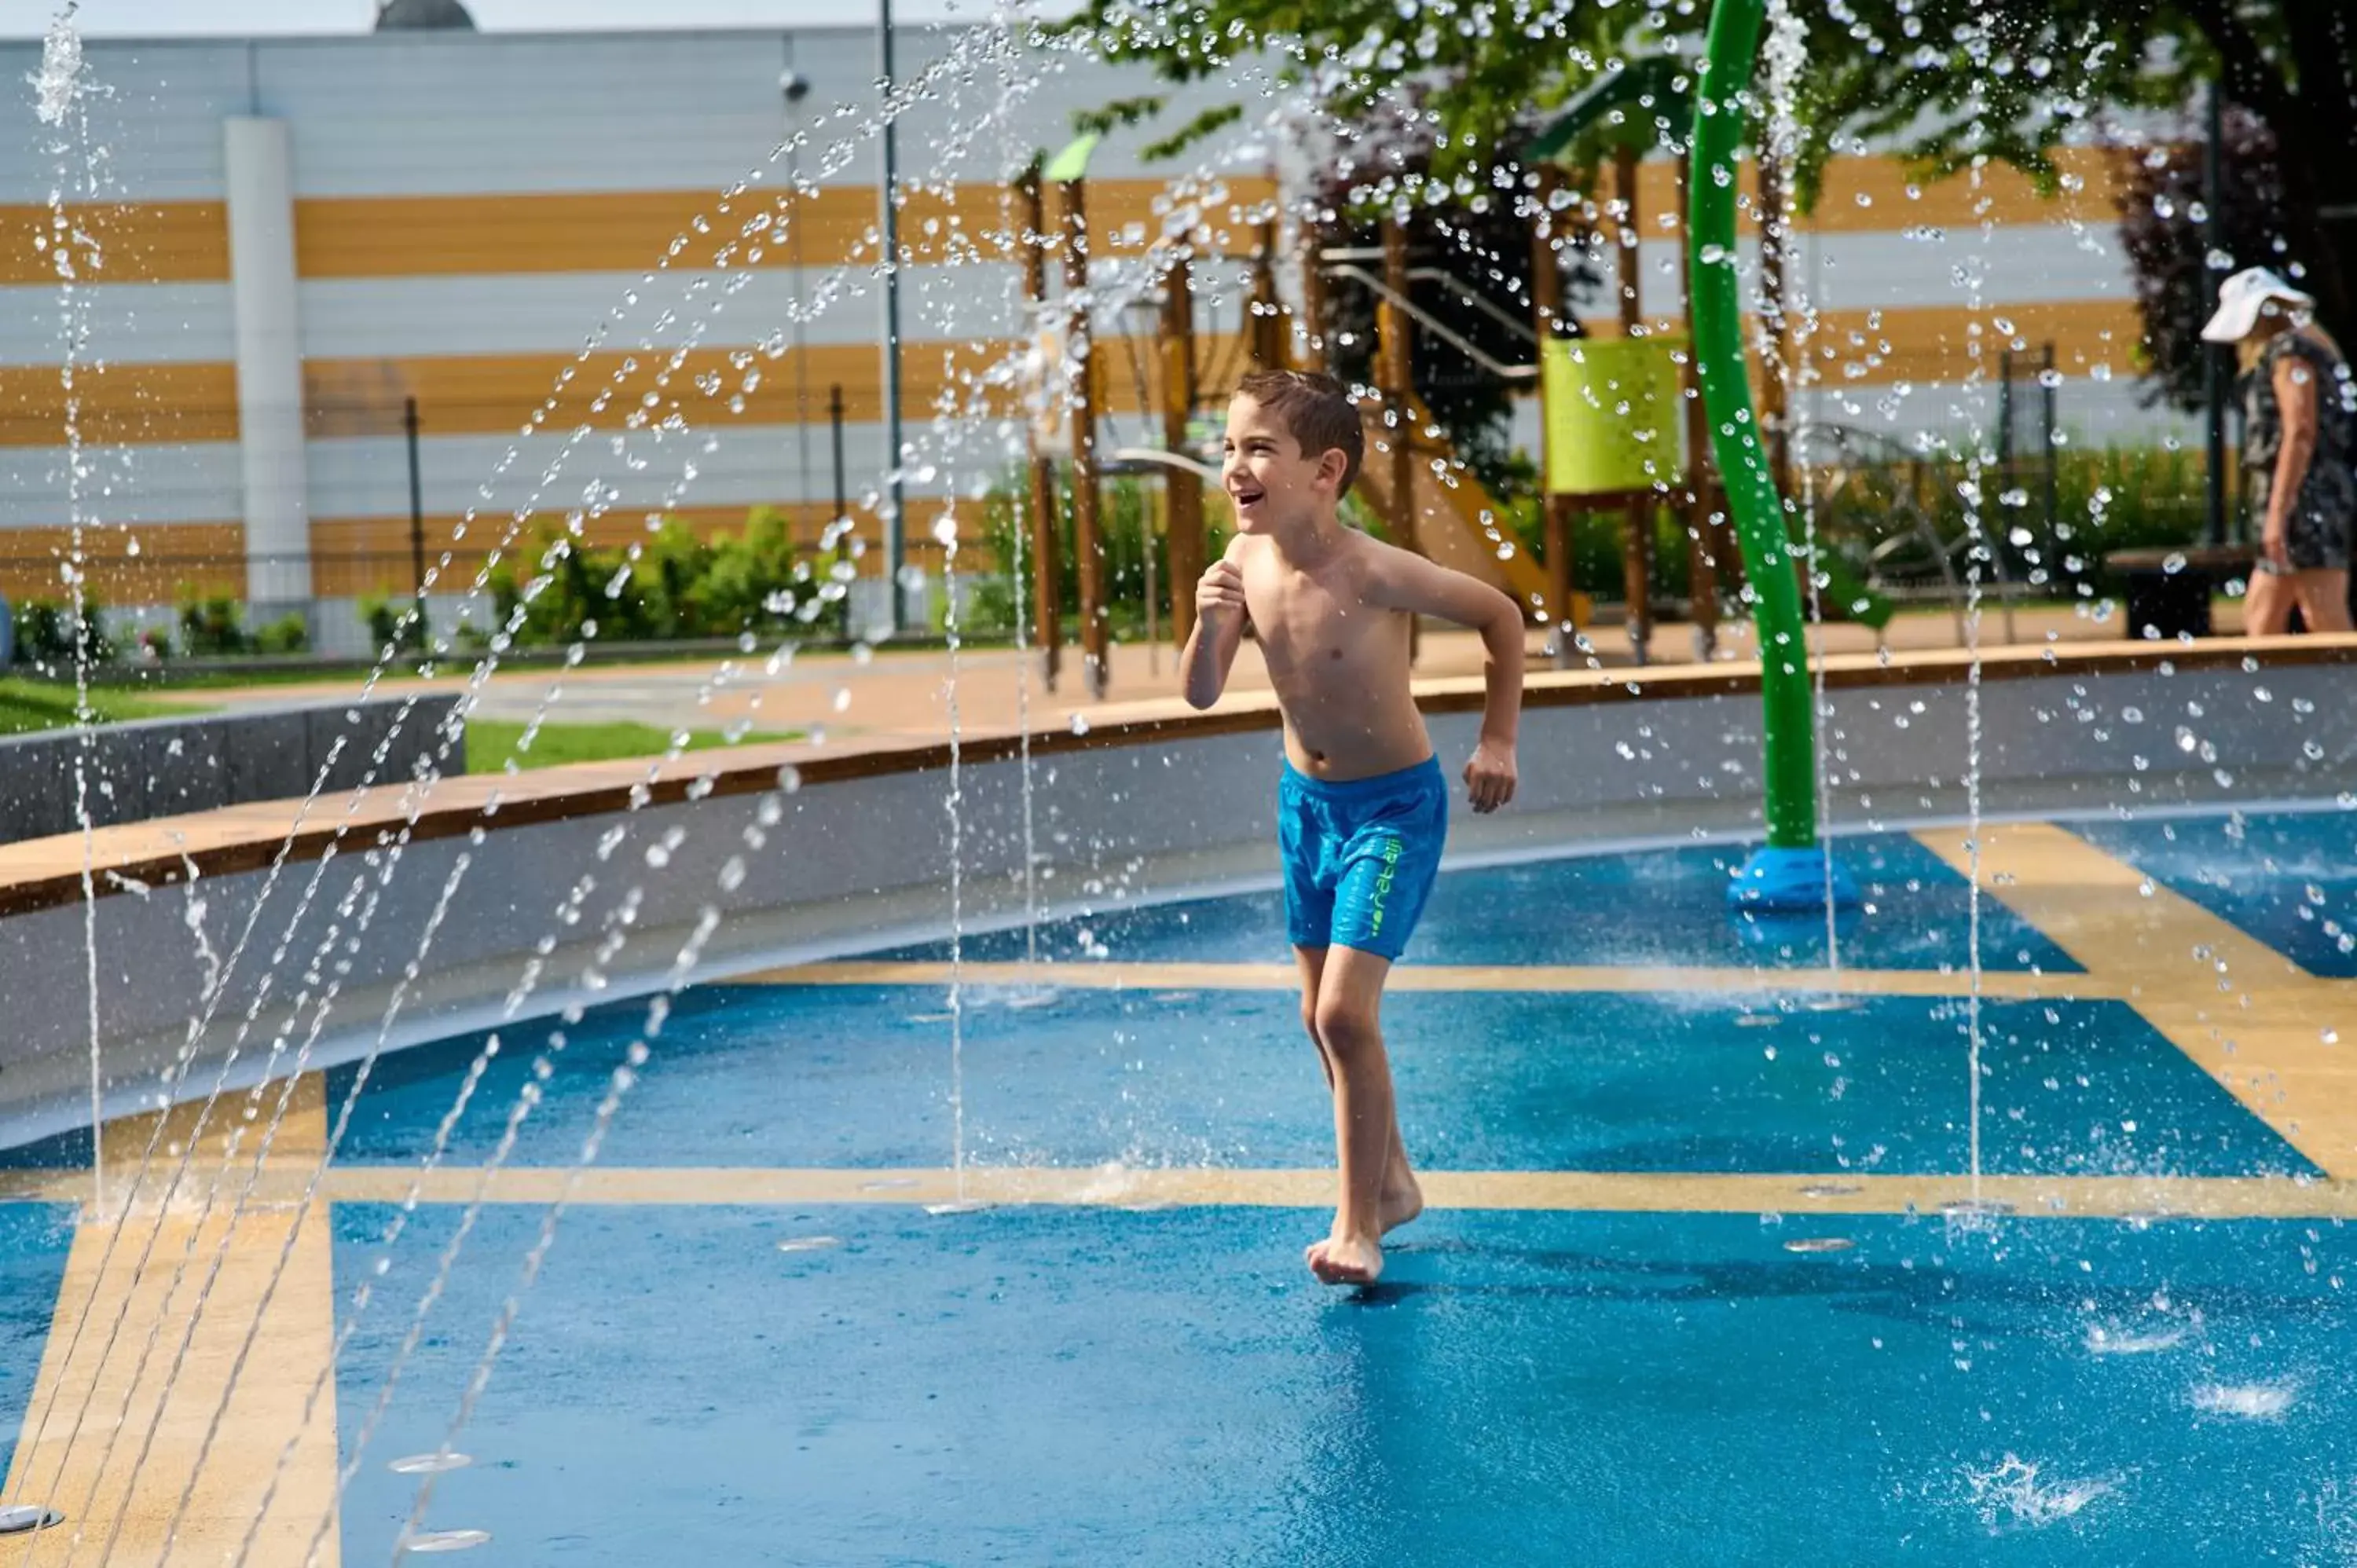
pixel 1313 626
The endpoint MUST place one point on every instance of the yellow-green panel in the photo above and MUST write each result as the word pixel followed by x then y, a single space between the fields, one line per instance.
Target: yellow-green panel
pixel 1613 414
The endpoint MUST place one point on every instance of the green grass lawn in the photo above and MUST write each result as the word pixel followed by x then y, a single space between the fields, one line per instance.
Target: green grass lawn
pixel 492 742
pixel 28 705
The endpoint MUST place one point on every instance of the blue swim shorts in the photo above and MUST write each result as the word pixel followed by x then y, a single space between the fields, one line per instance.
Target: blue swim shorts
pixel 1360 856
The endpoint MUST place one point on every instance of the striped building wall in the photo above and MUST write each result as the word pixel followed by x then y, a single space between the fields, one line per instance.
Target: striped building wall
pixel 463 212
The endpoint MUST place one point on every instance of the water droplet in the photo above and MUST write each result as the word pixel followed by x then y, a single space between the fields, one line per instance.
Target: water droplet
pixel 808 1243
pixel 427 1540
pixel 1080 723
pixel 428 1464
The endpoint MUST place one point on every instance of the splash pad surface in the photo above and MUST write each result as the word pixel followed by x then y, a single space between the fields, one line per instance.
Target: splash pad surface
pixel 1705 1257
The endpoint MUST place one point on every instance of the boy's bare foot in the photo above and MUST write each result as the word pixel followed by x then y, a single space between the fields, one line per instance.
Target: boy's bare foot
pixel 1403 1201
pixel 1347 1260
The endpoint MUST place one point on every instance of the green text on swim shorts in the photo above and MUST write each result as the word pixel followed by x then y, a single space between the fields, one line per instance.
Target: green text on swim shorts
pixel 1383 884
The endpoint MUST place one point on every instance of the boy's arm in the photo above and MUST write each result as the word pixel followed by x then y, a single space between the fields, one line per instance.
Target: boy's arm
pixel 1402 580
pixel 1219 630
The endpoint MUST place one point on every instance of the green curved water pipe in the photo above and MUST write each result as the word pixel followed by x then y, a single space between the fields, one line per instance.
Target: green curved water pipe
pixel 1790 765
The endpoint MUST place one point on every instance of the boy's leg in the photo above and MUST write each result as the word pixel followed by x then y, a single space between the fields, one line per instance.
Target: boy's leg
pixel 1349 1030
pixel 1403 1199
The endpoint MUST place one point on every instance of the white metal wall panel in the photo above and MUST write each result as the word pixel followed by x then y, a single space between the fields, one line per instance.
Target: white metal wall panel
pixel 414 114
pixel 199 482
pixel 2017 264
pixel 128 323
pixel 155 109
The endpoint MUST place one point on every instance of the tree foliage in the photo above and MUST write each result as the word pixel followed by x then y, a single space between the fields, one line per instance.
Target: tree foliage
pixel 2164 227
pixel 1950 82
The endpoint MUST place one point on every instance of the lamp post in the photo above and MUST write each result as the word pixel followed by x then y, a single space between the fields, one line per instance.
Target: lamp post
pixel 889 227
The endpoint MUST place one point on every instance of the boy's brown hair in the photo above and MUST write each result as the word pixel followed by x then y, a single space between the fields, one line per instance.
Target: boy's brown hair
pixel 1316 412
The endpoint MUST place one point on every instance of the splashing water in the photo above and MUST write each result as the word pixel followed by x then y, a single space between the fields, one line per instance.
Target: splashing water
pixel 57 86
pixel 2246 1402
pixel 2104 1340
pixel 2011 1495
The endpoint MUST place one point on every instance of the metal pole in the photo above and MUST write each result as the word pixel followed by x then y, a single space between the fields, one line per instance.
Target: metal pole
pixel 2049 467
pixel 1392 331
pixel 2214 355
pixel 842 499
pixel 1703 537
pixel 1088 537
pixel 894 552
pixel 1637 547
pixel 1546 296
pixel 1047 568
pixel 417 499
pixel 1184 490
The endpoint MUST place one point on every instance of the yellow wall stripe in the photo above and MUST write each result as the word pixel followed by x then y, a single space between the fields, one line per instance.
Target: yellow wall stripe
pixel 204 557
pixel 478 236
pixel 145 241
pixel 130 403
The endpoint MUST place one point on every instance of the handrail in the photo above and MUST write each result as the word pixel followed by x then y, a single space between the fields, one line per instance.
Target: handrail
pixel 1436 327
pixel 1478 301
pixel 1165 457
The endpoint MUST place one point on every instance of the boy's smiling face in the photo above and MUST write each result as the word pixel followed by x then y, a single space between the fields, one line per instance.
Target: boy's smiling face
pixel 1269 479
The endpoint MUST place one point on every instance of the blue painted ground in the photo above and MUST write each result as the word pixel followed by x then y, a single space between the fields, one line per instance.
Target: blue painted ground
pixel 1060 1386
pixel 1659 1391
pixel 34 1241
pixel 1662 906
pixel 837 1075
pixel 2288 879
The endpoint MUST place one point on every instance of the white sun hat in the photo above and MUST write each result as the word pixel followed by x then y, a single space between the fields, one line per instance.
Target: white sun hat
pixel 2240 300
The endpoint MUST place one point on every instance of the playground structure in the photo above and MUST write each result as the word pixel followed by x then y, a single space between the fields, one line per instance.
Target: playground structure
pixel 1622 418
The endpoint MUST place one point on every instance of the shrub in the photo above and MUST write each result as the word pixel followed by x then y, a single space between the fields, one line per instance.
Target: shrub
pixel 49 634
pixel 287 634
pixel 210 628
pixel 390 623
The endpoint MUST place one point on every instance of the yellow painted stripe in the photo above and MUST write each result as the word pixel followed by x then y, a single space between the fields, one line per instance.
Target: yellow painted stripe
pixel 138 241
pixel 1831 1193
pixel 497 235
pixel 2011 199
pixel 125 403
pixel 2250 1017
pixel 85 1457
pixel 1434 977
pixel 203 557
pixel 496 394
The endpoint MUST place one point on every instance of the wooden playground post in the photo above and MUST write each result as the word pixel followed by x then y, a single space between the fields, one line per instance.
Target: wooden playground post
pixel 1312 354
pixel 1637 548
pixel 1392 330
pixel 1264 332
pixel 1775 372
pixel 1087 542
pixel 1694 504
pixel 1546 289
pixel 1046 619
pixel 1183 489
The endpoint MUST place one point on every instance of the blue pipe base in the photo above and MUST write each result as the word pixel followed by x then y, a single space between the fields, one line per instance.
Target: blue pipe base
pixel 1790 881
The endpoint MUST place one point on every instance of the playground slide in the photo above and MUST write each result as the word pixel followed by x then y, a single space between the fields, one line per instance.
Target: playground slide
pixel 1448 516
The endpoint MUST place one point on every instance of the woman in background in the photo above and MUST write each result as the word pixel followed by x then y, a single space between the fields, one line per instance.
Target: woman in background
pixel 2300 438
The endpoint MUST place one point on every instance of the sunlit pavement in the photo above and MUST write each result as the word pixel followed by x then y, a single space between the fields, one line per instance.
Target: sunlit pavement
pixel 905 694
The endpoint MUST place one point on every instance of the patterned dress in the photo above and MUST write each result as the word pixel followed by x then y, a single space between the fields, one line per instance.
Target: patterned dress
pixel 2318 527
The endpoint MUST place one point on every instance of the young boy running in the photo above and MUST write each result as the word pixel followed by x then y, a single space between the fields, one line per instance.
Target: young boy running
pixel 1362 806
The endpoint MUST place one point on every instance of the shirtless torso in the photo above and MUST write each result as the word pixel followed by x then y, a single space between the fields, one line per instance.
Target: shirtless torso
pixel 1335 645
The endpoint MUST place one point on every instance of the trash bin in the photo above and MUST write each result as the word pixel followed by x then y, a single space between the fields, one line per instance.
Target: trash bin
pixel 2168 591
